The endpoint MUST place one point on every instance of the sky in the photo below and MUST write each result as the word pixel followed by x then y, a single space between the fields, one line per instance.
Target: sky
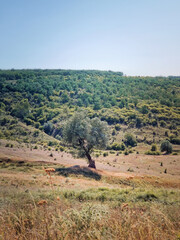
pixel 137 37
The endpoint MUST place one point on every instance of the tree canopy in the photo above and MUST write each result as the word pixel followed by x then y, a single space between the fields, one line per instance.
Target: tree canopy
pixel 86 134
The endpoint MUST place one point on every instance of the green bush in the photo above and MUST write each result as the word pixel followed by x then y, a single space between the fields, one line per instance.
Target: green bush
pixel 105 154
pixel 162 123
pixel 126 152
pixel 154 147
pixel 175 141
pixel 118 127
pixel 112 152
pixel 152 153
pixel 116 146
pixel 174 153
pixel 130 140
pixel 61 148
pixel 166 146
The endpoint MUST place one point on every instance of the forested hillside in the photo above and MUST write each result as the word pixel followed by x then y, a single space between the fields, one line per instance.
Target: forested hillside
pixel 43 99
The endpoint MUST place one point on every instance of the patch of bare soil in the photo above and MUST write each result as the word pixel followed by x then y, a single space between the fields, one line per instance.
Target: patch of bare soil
pixel 133 165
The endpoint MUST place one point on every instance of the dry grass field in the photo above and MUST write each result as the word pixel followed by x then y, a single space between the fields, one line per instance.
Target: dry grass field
pixel 51 195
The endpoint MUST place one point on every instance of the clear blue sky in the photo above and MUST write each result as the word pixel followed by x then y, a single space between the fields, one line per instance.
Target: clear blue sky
pixel 138 37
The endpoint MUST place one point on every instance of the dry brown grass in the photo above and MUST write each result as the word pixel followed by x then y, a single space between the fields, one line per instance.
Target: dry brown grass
pixel 36 205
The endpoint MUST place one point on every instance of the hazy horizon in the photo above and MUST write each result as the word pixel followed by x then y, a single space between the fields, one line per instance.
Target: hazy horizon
pixel 138 38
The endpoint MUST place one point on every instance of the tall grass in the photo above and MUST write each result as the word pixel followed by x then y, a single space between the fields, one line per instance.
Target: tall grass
pixel 43 215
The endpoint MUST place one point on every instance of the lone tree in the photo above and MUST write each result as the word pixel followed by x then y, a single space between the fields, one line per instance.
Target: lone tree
pixel 85 134
pixel 166 146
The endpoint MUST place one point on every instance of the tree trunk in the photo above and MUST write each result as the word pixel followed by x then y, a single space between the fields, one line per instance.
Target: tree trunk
pixel 91 162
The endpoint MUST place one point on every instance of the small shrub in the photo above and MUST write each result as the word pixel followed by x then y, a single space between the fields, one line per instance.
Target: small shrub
pixel 126 152
pixel 152 153
pixel 166 133
pixel 105 154
pixel 61 148
pixel 172 126
pixel 175 141
pixel 154 147
pixel 113 132
pixel 37 125
pixel 162 123
pixel 36 133
pixel 174 153
pixel 118 127
pixel 112 152
pixel 130 140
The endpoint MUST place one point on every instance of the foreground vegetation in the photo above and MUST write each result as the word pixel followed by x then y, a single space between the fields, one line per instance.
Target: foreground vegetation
pixel 43 204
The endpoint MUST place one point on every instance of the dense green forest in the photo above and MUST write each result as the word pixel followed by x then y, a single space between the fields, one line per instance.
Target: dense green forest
pixel 44 99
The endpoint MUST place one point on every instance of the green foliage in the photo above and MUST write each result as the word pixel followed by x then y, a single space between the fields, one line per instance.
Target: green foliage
pixel 175 141
pixel 144 109
pixel 44 97
pixel 81 128
pixel 152 153
pixel 126 152
pixel 118 127
pixel 48 128
pixel 86 133
pixel 105 154
pixel 166 146
pixel 130 140
pixel 21 110
pixel 154 147
pixel 162 123
pixel 117 146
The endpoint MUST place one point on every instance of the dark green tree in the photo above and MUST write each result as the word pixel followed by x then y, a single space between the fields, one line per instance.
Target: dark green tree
pixel 130 140
pixel 166 146
pixel 21 109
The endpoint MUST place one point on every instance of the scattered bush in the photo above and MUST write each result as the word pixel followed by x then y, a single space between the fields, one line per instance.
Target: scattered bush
pixel 162 123
pixel 130 140
pixel 116 146
pixel 118 127
pixel 48 128
pixel 105 154
pixel 174 153
pixel 61 148
pixel 126 152
pixel 152 153
pixel 154 147
pixel 175 141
